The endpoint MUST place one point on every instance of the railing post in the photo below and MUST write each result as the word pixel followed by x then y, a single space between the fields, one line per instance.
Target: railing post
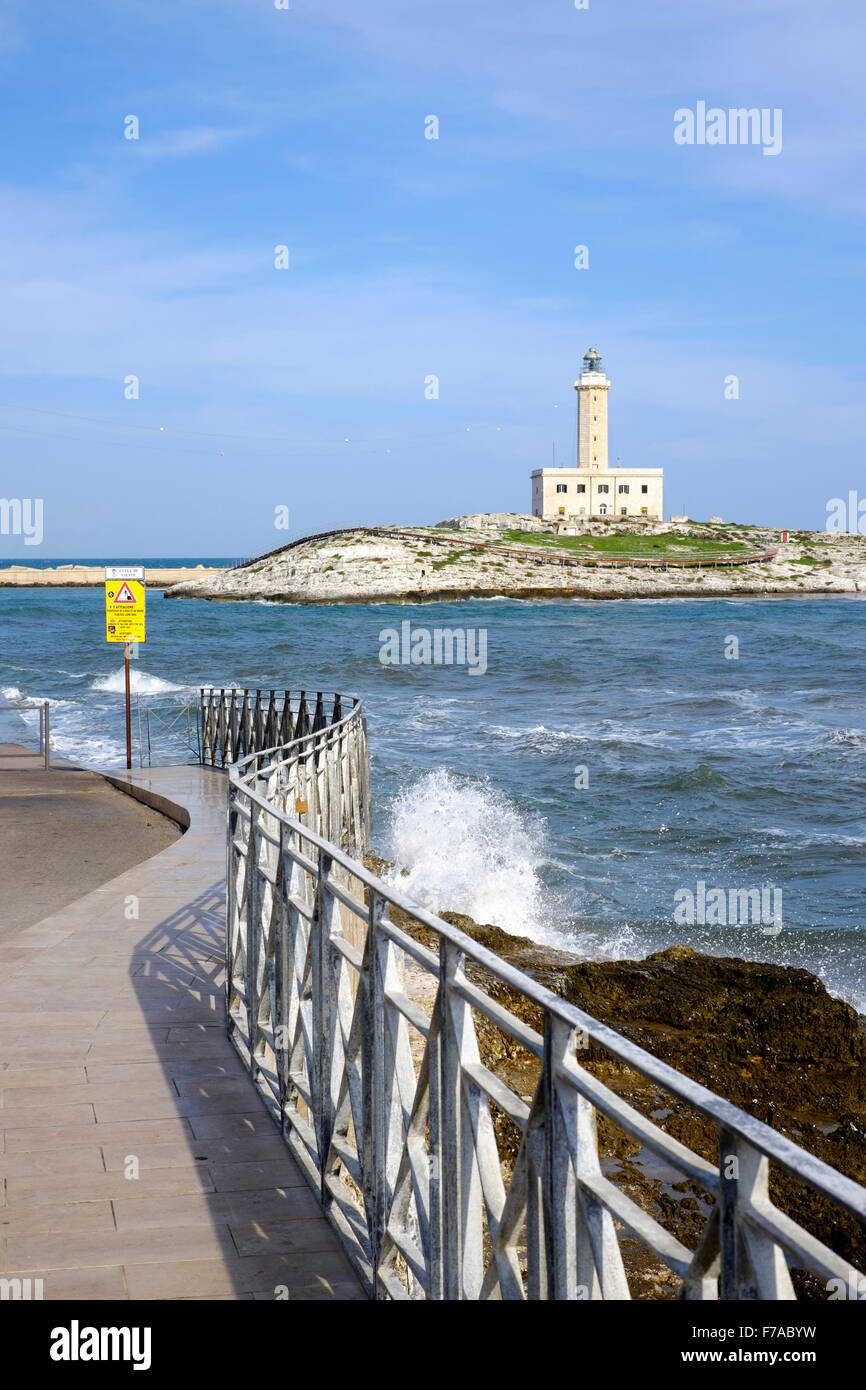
pixel 203 743
pixel 257 722
pixel 319 720
pixel 729 1280
pixel 449 1155
pixel 254 941
pixel 232 924
pixel 221 727
pixel 561 1196
pixel 461 1185
pixel 232 730
pixel 371 1088
pixel 753 1265
pixel 438 1244
pixel 322 1018
pixel 286 723
pixel 302 721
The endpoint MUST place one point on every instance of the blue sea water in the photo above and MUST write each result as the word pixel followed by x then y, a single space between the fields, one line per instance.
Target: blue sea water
pixel 738 773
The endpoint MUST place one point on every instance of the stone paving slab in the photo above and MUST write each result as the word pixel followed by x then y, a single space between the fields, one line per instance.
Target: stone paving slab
pixel 136 1159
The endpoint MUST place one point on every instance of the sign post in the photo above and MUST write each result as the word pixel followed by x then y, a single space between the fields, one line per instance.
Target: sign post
pixel 128 710
pixel 125 622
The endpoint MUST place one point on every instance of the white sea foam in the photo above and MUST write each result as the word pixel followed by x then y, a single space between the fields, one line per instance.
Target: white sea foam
pixel 844 738
pixel 468 849
pixel 538 738
pixel 14 696
pixel 140 682
pixel 89 752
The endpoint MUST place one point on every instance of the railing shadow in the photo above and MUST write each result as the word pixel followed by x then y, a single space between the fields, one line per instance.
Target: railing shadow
pixel 271 1236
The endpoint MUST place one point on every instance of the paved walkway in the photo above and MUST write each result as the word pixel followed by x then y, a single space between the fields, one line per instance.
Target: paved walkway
pixel 45 861
pixel 136 1160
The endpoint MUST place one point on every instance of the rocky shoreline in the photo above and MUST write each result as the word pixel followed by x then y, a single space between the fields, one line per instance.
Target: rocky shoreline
pixel 768 1038
pixel 417 567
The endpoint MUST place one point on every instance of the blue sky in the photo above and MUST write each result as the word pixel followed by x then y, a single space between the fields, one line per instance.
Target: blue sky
pixel 412 257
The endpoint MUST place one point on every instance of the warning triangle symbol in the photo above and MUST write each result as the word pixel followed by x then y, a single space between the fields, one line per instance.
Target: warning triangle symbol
pixel 124 594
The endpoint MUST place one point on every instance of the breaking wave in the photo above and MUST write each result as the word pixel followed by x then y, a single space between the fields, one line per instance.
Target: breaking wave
pixel 140 682
pixel 465 847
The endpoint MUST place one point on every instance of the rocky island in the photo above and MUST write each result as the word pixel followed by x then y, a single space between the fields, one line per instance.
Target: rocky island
pixel 518 556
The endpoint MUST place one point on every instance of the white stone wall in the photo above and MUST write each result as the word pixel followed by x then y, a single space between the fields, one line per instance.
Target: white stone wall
pixel 556 493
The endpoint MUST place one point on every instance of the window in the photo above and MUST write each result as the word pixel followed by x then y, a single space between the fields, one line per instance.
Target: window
pixel 644 487
pixel 623 487
pixel 623 511
pixel 603 487
pixel 602 511
pixel 581 487
pixel 562 487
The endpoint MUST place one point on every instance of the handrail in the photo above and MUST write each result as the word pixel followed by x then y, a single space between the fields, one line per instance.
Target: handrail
pixel 388 1103
pixel 44 708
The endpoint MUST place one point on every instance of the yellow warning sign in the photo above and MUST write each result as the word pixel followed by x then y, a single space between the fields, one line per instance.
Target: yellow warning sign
pixel 124 604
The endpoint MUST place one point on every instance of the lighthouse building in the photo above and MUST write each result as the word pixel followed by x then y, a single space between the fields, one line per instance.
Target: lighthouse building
pixel 593 488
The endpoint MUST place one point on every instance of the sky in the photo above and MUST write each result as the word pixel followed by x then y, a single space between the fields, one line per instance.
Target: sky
pixel 261 388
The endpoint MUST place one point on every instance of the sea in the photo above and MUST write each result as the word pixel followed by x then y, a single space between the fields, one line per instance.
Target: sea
pixel 613 757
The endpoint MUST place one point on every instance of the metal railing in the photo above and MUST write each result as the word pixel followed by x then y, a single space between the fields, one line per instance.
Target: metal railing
pixel 168 730
pixel 235 723
pixel 44 725
pixel 369 1049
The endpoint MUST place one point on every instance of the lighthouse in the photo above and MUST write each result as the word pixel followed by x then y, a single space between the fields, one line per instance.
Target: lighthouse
pixel 591 489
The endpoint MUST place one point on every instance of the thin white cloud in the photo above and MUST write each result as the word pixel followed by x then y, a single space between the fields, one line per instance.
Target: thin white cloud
pixel 181 144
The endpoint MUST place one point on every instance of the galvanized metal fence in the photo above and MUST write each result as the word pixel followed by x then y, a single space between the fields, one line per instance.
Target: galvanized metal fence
pixel 366 1045
pixel 169 731
pixel 235 723
pixel 44 709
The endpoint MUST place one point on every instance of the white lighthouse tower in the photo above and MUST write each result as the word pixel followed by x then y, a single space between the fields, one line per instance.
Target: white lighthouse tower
pixel 571 496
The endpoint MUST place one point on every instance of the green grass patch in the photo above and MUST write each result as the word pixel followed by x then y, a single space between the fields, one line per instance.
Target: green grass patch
pixel 626 544
pixel 455 557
